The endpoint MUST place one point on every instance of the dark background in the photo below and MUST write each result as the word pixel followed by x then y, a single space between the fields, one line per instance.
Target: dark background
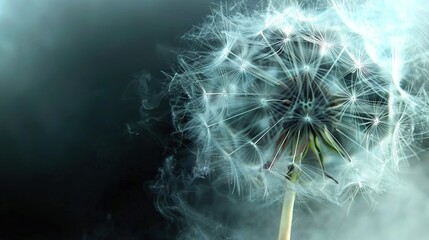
pixel 69 168
pixel 69 90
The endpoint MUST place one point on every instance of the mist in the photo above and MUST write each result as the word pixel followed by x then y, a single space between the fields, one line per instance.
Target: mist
pixel 399 214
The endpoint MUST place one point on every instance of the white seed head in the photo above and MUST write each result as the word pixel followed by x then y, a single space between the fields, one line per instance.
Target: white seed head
pixel 295 87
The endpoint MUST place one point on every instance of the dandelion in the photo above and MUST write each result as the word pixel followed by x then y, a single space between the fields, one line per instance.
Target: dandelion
pixel 292 101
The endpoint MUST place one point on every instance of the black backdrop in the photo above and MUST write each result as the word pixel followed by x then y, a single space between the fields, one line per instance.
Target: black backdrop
pixel 69 169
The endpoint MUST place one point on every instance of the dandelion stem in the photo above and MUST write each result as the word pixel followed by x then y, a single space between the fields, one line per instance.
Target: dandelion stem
pixel 286 218
pixel 288 204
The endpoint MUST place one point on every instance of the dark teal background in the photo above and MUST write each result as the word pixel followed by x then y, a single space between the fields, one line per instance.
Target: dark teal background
pixel 69 168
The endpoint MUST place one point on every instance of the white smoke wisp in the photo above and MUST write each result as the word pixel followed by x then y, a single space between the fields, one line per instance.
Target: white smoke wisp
pixel 401 214
pixel 323 98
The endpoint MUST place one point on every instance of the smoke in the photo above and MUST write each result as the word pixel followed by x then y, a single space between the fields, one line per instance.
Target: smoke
pixel 207 213
pixel 400 214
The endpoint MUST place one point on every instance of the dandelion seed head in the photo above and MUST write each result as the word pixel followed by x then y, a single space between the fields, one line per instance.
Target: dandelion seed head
pixel 293 85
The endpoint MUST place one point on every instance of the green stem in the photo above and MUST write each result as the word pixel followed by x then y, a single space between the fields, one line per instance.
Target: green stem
pixel 288 204
pixel 286 218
